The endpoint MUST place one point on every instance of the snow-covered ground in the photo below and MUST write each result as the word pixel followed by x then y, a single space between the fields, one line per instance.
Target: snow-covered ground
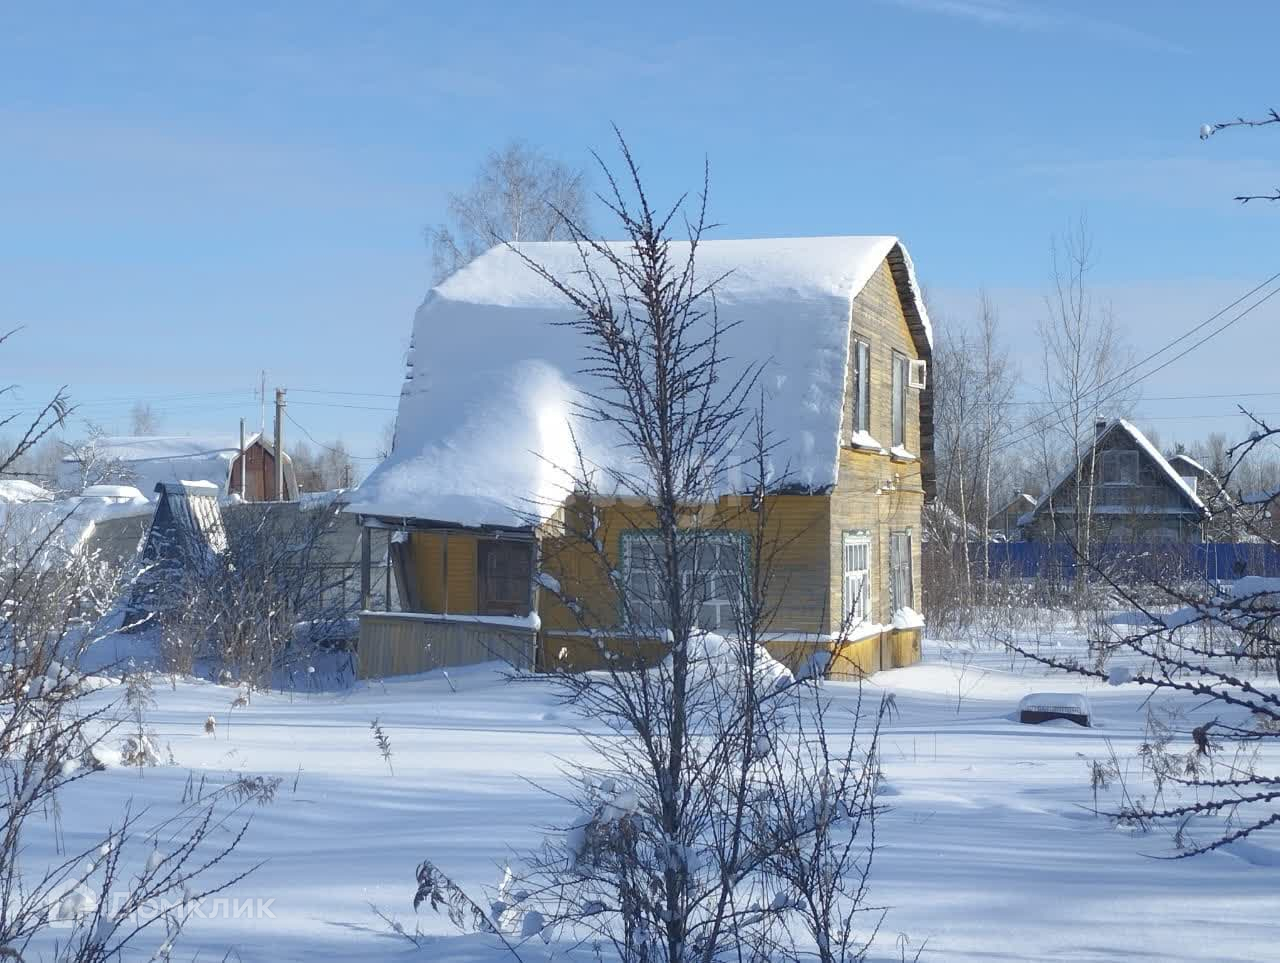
pixel 990 850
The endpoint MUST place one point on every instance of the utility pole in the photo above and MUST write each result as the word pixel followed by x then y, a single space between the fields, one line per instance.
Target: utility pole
pixel 262 401
pixel 279 444
pixel 244 469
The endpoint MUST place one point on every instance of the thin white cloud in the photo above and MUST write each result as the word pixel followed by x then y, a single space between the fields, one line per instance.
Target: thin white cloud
pixel 1020 15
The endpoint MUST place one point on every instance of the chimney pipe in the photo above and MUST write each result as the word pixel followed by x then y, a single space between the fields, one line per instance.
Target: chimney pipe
pixel 1099 426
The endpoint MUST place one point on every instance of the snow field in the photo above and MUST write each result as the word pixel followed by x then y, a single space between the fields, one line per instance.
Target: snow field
pixel 990 850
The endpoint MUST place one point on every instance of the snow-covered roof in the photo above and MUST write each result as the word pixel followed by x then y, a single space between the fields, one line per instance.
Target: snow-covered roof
pixel 154 459
pixel 1188 461
pixel 486 422
pixel 1144 444
pixel 17 491
pixel 49 529
pixel 1021 500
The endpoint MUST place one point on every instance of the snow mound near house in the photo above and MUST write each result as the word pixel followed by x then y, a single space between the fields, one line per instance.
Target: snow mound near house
pixel 488 432
pixel 719 665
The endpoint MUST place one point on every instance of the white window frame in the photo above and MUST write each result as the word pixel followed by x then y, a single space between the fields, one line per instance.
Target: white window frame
pixel 720 595
pixel 855 582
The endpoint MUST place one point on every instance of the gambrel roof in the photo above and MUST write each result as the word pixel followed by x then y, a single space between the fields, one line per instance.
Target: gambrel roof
pixel 1192 501
pixel 486 429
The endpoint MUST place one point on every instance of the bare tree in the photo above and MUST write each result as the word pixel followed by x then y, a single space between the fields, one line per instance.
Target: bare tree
pixel 143 419
pixel 1083 363
pixel 519 194
pixel 280 593
pixel 96 463
pixel 973 383
pixel 328 468
pixel 720 814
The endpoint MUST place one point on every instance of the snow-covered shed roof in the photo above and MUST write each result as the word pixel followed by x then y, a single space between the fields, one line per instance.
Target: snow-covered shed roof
pixel 1144 444
pixel 485 429
pixel 157 459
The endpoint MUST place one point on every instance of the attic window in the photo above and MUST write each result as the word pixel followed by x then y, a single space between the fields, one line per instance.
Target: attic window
pixel 1119 467
pixel 861 387
pixel 901 378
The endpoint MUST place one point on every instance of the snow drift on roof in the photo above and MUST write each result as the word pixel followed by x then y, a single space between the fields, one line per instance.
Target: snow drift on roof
pixel 483 434
pixel 15 491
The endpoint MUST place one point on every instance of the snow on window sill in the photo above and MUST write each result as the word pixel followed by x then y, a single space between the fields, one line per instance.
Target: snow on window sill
pixel 899 453
pixel 862 440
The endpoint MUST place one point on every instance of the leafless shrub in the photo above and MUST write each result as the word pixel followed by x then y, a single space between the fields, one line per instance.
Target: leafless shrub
pixel 272 600
pixel 56 603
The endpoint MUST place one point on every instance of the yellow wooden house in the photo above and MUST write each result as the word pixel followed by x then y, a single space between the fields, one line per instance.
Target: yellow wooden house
pixel 486 520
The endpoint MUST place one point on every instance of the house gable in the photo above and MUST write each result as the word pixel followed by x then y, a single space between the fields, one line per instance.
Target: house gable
pixel 1121 476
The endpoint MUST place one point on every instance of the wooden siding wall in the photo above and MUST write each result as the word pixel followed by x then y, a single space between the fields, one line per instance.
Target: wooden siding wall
pixel 260 479
pixel 402 644
pixel 794 534
pixel 877 493
pixel 429 549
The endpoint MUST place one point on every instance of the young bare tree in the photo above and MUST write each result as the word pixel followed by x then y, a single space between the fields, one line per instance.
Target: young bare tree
pixel 280 593
pixel 519 194
pixel 973 383
pixel 721 816
pixel 1083 360
pixel 95 463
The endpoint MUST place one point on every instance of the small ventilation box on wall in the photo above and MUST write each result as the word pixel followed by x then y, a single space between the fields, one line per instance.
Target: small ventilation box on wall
pixel 917 377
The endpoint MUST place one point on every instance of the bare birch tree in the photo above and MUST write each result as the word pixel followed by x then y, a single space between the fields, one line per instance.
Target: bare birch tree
pixel 519 194
pixel 1084 362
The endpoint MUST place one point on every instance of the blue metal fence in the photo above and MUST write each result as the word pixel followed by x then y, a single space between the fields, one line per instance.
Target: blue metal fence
pixel 1212 560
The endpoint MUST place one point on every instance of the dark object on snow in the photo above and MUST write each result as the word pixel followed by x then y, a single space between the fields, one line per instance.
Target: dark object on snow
pixel 1044 706
pixel 186 534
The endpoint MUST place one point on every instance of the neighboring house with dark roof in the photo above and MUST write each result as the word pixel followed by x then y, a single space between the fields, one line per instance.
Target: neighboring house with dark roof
pixel 1125 488
pixel 1004 521
pixel 488 437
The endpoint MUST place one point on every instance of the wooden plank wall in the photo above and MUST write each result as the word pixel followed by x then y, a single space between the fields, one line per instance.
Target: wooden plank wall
pixel 398 644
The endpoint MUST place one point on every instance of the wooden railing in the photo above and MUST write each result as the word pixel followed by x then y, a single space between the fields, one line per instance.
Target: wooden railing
pixel 405 643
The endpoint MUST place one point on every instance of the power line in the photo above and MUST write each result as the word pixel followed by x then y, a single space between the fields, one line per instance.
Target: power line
pixel 336 404
pixel 336 451
pixel 1032 427
pixel 358 394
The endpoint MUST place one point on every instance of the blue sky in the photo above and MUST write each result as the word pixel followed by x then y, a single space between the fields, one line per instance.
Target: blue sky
pixel 189 195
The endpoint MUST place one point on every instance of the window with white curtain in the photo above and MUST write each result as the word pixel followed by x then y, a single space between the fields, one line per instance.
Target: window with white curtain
pixel 856 597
